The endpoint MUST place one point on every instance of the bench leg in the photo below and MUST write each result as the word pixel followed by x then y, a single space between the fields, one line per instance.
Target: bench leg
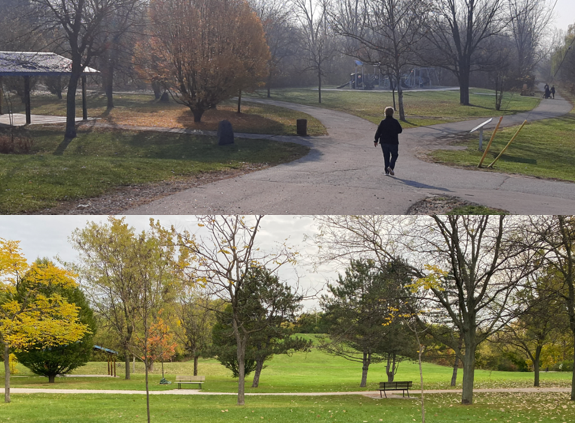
pixel 179 386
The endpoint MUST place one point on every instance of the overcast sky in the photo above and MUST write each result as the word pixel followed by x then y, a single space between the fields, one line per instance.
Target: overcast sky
pixel 47 236
pixel 564 14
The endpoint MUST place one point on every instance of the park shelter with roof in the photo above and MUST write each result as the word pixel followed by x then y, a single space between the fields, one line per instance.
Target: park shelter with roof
pixel 111 355
pixel 28 64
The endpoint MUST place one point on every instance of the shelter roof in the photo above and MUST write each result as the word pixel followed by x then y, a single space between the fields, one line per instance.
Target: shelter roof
pixel 22 63
pixel 106 350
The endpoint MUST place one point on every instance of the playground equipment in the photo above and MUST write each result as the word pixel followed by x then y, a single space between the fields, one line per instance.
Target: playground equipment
pixel 489 143
pixel 508 144
pixel 361 79
pixel 480 127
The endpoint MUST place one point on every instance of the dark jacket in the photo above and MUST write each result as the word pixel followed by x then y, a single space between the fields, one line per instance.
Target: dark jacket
pixel 388 131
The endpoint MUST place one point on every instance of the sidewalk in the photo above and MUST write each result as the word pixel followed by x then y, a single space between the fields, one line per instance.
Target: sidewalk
pixel 371 394
pixel 343 174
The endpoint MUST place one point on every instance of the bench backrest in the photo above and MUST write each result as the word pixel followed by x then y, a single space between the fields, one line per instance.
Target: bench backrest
pixel 396 385
pixel 182 378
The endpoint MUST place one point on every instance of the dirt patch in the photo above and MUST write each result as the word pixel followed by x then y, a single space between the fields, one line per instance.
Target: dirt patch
pixel 441 205
pixel 127 197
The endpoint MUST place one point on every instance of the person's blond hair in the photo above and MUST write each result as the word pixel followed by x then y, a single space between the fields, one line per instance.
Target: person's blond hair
pixel 388 111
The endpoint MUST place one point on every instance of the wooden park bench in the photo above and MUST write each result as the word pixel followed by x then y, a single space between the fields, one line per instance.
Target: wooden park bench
pixel 394 386
pixel 190 379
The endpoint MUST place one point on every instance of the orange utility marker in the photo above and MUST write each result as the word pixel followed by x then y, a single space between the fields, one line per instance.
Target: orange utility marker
pixel 508 144
pixel 490 141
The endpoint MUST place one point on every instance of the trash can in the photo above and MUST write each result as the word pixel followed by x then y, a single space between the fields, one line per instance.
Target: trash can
pixel 302 127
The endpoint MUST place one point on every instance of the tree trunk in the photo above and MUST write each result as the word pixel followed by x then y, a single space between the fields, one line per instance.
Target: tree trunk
pixel 133 363
pixel 241 370
pixel 6 374
pixel 109 85
pixel 364 369
pixel 319 85
pixel 196 365
pixel 464 86
pixel 392 86
pixel 573 378
pixel 468 373
pixel 197 115
pixel 71 106
pixel 390 367
pixel 536 365
pixel 51 378
pixel 127 362
pixel 259 367
pixel 400 101
pixel 240 102
pixel 454 374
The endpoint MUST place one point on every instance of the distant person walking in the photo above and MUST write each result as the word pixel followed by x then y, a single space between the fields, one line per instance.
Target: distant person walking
pixel 553 91
pixel 387 135
pixel 547 93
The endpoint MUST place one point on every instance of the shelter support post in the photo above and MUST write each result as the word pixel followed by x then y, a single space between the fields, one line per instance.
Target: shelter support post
pixel 114 366
pixel 27 100
pixel 84 103
pixel 1 95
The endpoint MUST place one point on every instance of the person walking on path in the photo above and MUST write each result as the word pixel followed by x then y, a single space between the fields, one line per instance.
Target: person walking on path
pixel 553 91
pixel 387 135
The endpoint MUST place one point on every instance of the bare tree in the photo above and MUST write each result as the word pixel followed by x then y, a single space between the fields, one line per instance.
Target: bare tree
pixel 225 256
pixel 387 33
pixel 86 36
pixel 459 32
pixel 317 38
pixel 530 22
pixel 280 32
pixel 557 242
pixel 479 253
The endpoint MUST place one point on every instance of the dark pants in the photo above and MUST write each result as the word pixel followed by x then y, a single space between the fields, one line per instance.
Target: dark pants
pixel 389 150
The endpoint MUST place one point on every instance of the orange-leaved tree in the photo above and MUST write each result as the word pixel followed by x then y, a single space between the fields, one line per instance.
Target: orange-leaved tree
pixel 28 316
pixel 205 51
pixel 161 344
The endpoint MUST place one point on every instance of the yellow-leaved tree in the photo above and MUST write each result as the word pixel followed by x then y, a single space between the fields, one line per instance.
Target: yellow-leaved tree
pixel 28 316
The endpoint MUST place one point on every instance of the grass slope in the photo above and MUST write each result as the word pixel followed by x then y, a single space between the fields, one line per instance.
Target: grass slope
pixel 98 161
pixel 544 149
pixel 421 108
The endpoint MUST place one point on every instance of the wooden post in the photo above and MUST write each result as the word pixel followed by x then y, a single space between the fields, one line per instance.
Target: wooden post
pixel 109 366
pixel 1 95
pixel 508 144
pixel 114 366
pixel 27 100
pixel 490 141
pixel 84 102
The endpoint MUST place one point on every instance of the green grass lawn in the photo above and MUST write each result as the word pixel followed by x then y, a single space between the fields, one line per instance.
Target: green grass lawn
pixel 440 408
pixel 302 372
pixel 544 149
pixel 98 161
pixel 421 108
pixel 143 110
pixel 315 371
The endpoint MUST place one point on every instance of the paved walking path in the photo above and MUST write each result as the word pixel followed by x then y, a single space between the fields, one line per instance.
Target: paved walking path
pixel 19 119
pixel 343 174
pixel 297 394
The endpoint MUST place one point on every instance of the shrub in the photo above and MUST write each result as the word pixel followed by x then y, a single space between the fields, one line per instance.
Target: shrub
pixel 15 141
pixel 563 366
